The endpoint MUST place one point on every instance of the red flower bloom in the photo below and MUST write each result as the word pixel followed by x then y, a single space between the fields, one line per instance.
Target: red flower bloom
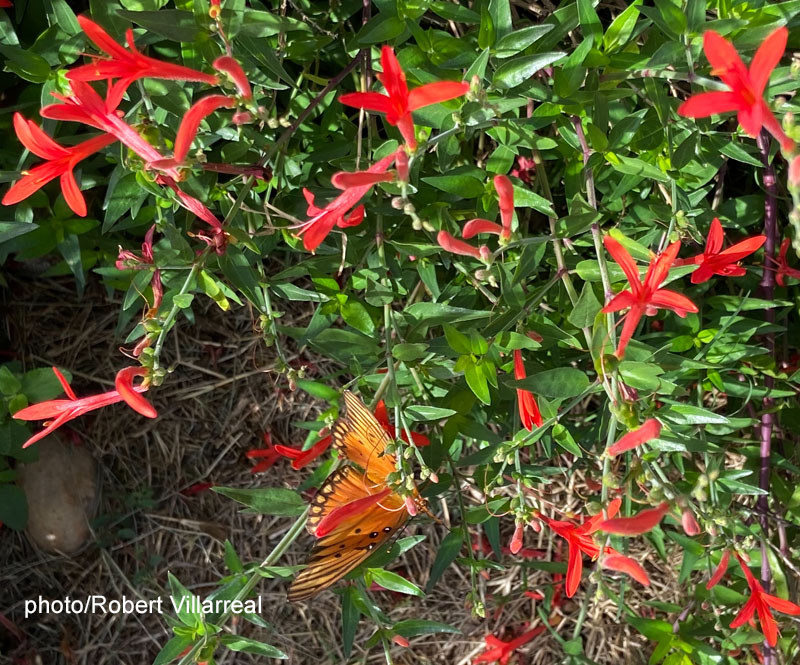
pixel 399 103
pixel 56 412
pixel 761 602
pixel 715 262
pixel 647 432
pixel 6 3
pixel 746 94
pixel 516 540
pixel 455 246
pixel 217 237
pixel 720 570
pixel 268 455
pixel 301 458
pixel 188 128
pixel 61 162
pixel 232 68
pixel 128 66
pixel 127 260
pixel 642 522
pixel 580 541
pixel 84 105
pixel 624 564
pixel 644 297
pixel 499 651
pixel 505 192
pixel 524 170
pixel 322 221
pixel 784 270
pixel 528 408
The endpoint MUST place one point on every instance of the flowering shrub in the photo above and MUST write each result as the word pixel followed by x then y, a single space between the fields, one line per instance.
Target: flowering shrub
pixel 249 154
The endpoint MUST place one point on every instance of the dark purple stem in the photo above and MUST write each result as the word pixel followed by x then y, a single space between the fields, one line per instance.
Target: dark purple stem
pixel 767 418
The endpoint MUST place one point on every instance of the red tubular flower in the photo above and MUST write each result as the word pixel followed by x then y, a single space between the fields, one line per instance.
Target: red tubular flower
pixel 476 226
pixel 61 161
pixel 726 263
pixel 499 651
pixel 56 412
pixel 524 170
pixel 635 438
pixel 322 221
pixel 784 270
pixel 188 128
pixel 301 458
pixel 399 103
pixel 689 523
pixel 127 260
pixel 528 408
pixel 217 237
pixel 720 570
pixel 761 602
pixel 624 564
pixel 642 522
pixel 6 3
pixel 401 162
pixel 505 192
pixel 348 510
pixel 580 541
pixel 232 68
pixel 344 180
pixel 84 105
pixel 268 455
pixel 516 540
pixel 455 246
pixel 127 66
pixel 746 95
pixel 381 415
pixel 644 297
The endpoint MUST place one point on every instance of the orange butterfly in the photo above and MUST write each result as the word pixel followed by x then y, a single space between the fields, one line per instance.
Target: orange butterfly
pixel 360 438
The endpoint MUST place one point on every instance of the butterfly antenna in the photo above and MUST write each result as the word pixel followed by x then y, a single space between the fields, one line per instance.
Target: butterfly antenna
pixel 424 509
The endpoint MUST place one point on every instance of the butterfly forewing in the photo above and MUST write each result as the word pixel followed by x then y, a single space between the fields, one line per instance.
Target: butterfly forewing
pixel 362 440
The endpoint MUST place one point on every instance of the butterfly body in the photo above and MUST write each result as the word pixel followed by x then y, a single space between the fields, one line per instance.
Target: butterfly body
pixel 360 439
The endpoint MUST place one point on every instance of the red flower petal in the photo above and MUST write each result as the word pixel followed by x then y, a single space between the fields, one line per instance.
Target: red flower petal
pixel 232 68
pixel 345 180
pixel 716 236
pixel 767 58
pixel 678 303
pixel 720 570
pixel 371 101
pixel 625 564
pixel 192 119
pixel 706 104
pixel 124 385
pixel 433 93
pixel 647 432
pixel 72 194
pixel 642 522
pixel 625 261
pixel 505 192
pixel 476 226
pixel 455 246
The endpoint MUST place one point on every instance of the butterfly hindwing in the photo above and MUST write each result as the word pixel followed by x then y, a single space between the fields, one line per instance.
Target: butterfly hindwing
pixel 350 543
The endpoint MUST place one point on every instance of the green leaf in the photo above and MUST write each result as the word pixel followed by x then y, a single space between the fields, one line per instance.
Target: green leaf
pixel 621 28
pixel 686 414
pixel 350 615
pixel 457 340
pixel 561 382
pixel 26 65
pixel 519 70
pixel 182 602
pixel 172 649
pixel 13 507
pixel 476 380
pixel 183 300
pixel 173 24
pixel 636 166
pixel 395 582
pixel 454 12
pixel 249 645
pixel 589 21
pixel 518 40
pixel 446 554
pixel 525 198
pixel 465 186
pixel 408 351
pixel 412 627
pixel 586 308
pixel 380 29
pixel 427 413
pixel 266 500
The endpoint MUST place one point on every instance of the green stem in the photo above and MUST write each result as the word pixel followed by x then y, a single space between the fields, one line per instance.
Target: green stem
pixel 173 312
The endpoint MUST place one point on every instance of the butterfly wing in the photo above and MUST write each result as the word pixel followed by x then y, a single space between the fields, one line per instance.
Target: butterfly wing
pixel 362 440
pixel 353 540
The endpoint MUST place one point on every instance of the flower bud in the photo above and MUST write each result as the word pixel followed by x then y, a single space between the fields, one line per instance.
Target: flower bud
pixel 397 204
pixel 689 523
